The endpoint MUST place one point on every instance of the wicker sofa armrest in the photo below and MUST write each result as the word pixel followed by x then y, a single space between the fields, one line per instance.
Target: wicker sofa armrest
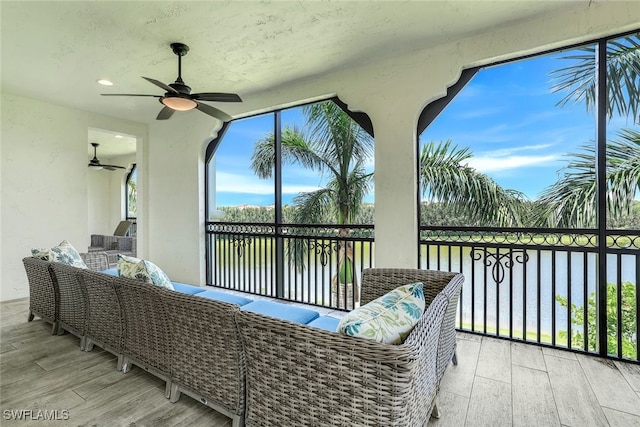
pixel 378 281
pixel 300 375
pixel 43 291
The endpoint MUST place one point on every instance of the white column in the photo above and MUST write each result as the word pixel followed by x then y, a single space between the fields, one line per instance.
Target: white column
pixel 396 227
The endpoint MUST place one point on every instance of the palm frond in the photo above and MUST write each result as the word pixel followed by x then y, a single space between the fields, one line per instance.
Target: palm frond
pixel 578 80
pixel 295 149
pixel 314 207
pixel 571 201
pixel 445 177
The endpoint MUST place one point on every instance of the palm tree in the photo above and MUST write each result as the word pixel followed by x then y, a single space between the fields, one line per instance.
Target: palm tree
pixel 623 77
pixel 333 145
pixel 571 202
pixel 446 177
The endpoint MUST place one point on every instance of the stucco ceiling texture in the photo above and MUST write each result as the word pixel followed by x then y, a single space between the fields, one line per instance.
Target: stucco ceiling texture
pixel 55 51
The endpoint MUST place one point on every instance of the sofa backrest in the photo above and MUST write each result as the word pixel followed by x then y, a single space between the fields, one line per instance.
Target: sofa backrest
pixel 72 309
pixel 207 354
pixel 379 281
pixel 146 337
pixel 104 318
pixel 96 261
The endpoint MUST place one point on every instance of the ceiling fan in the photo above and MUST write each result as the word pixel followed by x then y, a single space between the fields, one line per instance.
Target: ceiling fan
pixel 95 163
pixel 178 96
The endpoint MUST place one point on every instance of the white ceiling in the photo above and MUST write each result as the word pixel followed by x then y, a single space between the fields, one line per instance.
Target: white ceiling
pixel 112 144
pixel 55 51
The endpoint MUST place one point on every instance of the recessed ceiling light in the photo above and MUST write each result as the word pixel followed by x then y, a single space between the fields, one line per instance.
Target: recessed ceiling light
pixel 105 82
pixel 119 136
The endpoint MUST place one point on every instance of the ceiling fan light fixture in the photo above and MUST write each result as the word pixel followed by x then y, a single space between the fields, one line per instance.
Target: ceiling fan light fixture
pixel 105 82
pixel 178 103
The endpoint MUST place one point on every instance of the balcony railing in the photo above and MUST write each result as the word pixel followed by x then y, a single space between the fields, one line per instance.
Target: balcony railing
pixel 314 264
pixel 540 285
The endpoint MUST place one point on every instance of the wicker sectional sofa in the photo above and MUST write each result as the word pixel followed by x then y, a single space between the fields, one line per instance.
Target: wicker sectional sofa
pixel 262 363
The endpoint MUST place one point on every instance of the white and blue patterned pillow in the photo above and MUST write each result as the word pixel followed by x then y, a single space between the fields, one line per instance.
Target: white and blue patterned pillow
pixel 141 269
pixel 388 319
pixel 64 253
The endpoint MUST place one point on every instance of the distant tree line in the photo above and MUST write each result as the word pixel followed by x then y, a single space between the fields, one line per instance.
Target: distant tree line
pixel 431 213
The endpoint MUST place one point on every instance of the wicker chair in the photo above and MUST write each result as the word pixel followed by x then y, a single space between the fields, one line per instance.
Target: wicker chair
pixel 104 317
pixel 207 360
pixel 113 245
pixel 299 375
pixel 147 338
pixel 43 292
pixel 379 281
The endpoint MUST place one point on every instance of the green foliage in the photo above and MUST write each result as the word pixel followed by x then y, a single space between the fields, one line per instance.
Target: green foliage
pixel 332 145
pixel 132 197
pixel 578 80
pixel 446 178
pixel 290 215
pixel 571 201
pixel 629 317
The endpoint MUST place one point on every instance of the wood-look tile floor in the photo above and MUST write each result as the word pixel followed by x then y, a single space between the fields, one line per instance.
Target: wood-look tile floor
pixel 496 383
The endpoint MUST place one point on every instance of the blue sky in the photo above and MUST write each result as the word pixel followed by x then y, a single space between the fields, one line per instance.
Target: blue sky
pixel 506 115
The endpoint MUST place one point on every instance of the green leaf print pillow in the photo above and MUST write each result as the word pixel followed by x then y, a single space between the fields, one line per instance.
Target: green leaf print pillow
pixel 388 319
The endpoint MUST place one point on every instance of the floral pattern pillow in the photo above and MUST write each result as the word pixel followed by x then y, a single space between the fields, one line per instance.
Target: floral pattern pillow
pixel 64 253
pixel 388 319
pixel 136 268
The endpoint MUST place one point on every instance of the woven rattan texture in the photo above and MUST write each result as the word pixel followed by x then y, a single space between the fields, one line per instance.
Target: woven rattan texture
pixel 298 375
pixel 42 289
pixel 104 319
pixel 207 355
pixel 112 246
pixel 96 261
pixel 146 331
pixel 378 281
pixel 72 309
pixel 447 343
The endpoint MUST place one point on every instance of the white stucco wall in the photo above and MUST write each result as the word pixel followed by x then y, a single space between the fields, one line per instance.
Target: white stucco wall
pixel 98 202
pixel 175 202
pixel 44 184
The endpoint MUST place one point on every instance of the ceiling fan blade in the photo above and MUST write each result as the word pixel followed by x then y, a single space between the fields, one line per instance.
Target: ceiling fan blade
pixel 160 84
pixel 128 94
pixel 216 97
pixel 165 113
pixel 112 167
pixel 213 112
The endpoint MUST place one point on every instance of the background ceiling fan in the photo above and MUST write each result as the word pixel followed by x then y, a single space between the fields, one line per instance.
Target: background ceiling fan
pixel 178 95
pixel 95 163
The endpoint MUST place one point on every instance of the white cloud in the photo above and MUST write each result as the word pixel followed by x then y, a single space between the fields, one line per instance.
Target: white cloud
pixel 497 163
pixel 507 151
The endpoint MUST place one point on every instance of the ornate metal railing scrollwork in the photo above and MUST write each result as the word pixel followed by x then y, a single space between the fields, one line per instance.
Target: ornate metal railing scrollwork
pixel 499 261
pixel 323 249
pixel 240 242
